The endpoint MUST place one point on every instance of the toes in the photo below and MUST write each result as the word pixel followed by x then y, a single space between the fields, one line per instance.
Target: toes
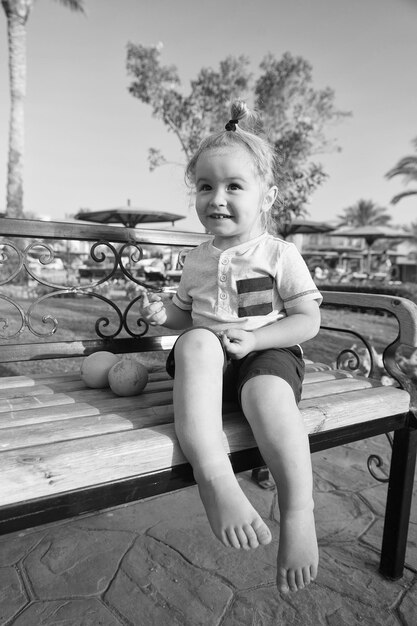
pixel 299 579
pixel 242 538
pixel 251 537
pixel 294 580
pixel 313 572
pixel 233 538
pixel 307 575
pixel 291 580
pixel 282 582
pixel 262 532
pixel 224 538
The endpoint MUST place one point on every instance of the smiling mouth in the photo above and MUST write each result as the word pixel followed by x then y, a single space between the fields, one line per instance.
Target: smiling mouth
pixel 220 216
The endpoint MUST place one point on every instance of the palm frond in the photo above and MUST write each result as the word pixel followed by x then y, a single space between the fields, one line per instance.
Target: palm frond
pixel 402 195
pixel 74 5
pixel 405 167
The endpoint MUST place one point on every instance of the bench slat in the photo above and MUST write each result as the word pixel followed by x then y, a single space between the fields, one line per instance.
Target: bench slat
pixel 46 414
pixel 79 427
pixel 24 392
pixel 359 406
pixel 7 382
pixel 34 402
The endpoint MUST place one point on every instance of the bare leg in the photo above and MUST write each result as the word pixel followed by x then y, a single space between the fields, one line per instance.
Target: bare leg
pixel 269 405
pixel 198 424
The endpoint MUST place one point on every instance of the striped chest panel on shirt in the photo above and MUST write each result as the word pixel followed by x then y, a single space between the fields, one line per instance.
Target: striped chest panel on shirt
pixel 255 296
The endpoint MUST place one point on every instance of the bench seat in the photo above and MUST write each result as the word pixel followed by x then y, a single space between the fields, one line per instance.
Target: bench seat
pixel 66 448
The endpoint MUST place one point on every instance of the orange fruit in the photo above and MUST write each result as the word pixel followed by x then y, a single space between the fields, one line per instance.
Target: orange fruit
pixel 128 377
pixel 95 368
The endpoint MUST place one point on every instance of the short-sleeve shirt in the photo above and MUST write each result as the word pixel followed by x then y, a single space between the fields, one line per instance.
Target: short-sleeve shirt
pixel 247 286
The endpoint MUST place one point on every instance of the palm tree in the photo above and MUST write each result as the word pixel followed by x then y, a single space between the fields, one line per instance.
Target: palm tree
pixel 412 229
pixel 406 167
pixel 17 14
pixel 364 213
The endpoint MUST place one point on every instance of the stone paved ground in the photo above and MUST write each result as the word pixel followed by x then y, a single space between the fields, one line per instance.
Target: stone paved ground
pixel 155 563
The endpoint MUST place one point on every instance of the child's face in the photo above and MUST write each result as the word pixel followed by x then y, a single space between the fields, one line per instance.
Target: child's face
pixel 231 197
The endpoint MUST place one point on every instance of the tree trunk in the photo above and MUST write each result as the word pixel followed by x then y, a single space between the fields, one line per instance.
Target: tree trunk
pixel 16 20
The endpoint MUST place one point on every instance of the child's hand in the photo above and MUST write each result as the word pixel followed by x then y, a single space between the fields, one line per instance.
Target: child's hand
pixel 238 343
pixel 153 309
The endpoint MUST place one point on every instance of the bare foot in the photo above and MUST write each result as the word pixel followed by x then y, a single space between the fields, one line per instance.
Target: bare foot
pixel 232 518
pixel 298 556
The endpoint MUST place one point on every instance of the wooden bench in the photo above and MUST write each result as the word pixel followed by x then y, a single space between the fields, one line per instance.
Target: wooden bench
pixel 67 450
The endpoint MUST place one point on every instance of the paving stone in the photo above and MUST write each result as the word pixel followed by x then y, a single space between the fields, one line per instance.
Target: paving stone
pixel 341 467
pixel 313 606
pixel 339 516
pixel 156 586
pixel 376 498
pixel 352 570
pixel 261 499
pixel 72 612
pixel 15 546
pixel 348 591
pixel 75 562
pixel 12 594
pixel 373 537
pixel 240 568
pixel 138 517
pixel 408 607
pixel 374 445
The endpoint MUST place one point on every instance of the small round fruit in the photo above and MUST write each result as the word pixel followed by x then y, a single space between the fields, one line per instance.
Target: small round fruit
pixel 128 377
pixel 95 369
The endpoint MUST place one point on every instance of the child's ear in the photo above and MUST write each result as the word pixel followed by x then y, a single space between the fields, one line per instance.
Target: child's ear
pixel 270 197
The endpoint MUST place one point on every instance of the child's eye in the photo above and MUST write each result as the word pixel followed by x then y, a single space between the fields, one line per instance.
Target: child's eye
pixel 234 186
pixel 204 187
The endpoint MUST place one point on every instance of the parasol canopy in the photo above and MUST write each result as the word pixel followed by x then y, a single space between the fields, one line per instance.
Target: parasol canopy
pixel 128 216
pixel 371 234
pixel 305 227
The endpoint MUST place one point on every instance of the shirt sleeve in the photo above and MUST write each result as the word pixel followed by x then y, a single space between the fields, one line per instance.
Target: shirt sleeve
pixel 182 298
pixel 294 281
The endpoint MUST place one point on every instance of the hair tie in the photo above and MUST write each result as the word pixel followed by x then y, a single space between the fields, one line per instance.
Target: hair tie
pixel 231 124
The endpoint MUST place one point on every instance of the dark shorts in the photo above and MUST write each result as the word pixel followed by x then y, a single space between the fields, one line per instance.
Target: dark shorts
pixel 286 363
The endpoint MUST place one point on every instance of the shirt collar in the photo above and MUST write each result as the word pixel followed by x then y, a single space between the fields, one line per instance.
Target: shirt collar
pixel 239 249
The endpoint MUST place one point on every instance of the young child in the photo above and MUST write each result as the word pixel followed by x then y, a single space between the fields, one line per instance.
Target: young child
pixel 246 299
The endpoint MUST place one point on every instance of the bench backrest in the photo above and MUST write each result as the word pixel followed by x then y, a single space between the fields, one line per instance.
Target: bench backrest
pixel 113 257
pixel 31 329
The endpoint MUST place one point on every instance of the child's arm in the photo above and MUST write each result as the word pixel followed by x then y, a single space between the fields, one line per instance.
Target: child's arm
pixel 159 313
pixel 301 324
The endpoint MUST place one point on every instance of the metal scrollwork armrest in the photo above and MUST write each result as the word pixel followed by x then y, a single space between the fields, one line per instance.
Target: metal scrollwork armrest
pixel 399 357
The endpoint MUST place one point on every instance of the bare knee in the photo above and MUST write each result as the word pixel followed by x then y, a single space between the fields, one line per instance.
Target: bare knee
pixel 199 345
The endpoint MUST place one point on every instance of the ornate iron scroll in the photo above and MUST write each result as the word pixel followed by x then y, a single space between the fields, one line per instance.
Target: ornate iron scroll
pixel 375 460
pixel 365 364
pixel 21 266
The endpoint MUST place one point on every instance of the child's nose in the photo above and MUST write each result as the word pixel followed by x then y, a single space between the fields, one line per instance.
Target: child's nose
pixel 218 198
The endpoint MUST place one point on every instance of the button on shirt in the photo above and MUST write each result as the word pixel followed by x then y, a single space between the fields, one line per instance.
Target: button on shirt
pixel 247 286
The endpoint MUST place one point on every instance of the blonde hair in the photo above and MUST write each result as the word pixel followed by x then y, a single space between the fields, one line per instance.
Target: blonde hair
pixel 250 137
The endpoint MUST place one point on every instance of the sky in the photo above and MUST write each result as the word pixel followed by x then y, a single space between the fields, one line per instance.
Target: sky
pixel 87 138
